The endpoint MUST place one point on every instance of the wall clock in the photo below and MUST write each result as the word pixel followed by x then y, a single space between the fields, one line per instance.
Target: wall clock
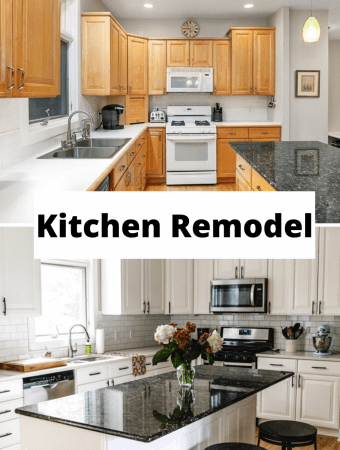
pixel 190 28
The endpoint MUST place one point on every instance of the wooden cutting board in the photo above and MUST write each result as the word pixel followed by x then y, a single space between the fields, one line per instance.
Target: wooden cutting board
pixel 29 365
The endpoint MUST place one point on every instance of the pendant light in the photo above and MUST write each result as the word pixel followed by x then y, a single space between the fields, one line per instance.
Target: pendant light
pixel 311 29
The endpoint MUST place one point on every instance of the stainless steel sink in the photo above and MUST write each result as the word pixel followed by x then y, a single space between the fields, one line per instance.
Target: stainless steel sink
pixel 89 149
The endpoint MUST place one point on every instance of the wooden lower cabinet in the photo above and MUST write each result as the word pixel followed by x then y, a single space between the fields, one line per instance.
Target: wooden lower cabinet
pixel 226 159
pixel 241 183
pixel 259 184
pixel 156 154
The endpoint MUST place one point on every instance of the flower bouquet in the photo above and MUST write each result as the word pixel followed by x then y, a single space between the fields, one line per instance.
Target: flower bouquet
pixel 179 345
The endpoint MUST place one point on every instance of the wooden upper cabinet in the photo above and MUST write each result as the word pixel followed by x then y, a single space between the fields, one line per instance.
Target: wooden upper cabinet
pixel 123 62
pixel 137 66
pixel 178 53
pixel 6 55
pixel 114 58
pixel 157 67
pixel 222 67
pixel 264 62
pixel 36 38
pixel 201 53
pixel 242 62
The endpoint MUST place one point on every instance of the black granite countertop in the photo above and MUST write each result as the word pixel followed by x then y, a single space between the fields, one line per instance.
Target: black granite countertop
pixel 148 409
pixel 299 166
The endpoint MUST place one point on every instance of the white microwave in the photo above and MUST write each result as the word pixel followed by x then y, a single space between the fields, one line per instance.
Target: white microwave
pixel 189 79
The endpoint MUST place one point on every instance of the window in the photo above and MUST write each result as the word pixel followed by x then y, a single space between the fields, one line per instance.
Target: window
pixel 57 106
pixel 64 298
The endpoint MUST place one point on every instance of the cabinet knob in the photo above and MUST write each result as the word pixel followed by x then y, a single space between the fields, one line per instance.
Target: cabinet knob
pixel 258 188
pixel 121 168
pixel 251 89
pixel 241 167
pixel 164 90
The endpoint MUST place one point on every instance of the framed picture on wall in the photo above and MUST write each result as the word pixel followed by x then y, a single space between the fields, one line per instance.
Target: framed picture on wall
pixel 307 83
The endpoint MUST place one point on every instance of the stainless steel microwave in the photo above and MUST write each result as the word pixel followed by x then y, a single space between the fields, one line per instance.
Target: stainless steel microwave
pixel 244 296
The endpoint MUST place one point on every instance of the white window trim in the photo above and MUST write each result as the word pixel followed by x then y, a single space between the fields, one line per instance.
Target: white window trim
pixel 35 133
pixel 92 294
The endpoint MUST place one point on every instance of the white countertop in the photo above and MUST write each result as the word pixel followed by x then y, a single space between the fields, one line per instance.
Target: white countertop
pixel 334 134
pixel 299 355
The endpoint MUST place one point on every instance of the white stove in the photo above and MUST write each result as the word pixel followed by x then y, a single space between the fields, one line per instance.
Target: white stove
pixel 190 146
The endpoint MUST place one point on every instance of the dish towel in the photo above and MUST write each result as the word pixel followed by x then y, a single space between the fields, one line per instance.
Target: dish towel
pixel 138 362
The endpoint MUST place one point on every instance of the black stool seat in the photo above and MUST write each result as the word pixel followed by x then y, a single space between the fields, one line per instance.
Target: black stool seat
pixel 234 446
pixel 288 434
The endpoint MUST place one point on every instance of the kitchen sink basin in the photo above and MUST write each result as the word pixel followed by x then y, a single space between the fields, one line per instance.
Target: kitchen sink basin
pixel 89 149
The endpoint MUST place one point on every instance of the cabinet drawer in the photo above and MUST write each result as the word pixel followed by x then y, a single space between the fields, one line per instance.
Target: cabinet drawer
pixel 9 433
pixel 7 409
pixel 121 368
pixel 264 133
pixel 162 365
pixel 319 367
pixel 131 153
pixel 286 365
pixel 244 168
pixel 241 184
pixel 119 169
pixel 124 379
pixel 92 374
pixel 260 184
pixel 9 390
pixel 232 133
pixel 93 386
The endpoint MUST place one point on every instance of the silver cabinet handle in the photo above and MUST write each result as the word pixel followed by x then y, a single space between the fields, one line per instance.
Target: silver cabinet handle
pixel 236 268
pixel 5 308
pixel 144 307
pixel 299 381
pixel 5 412
pixel 12 85
pixel 5 435
pixel 123 368
pixel 278 365
pixel 94 374
pixel 319 308
pixel 242 272
pixel 22 78
pixel 313 303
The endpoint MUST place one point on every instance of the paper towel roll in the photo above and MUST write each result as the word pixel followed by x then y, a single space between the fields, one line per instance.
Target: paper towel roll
pixel 100 341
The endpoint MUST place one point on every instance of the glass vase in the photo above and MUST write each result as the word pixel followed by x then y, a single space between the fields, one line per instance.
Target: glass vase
pixel 186 375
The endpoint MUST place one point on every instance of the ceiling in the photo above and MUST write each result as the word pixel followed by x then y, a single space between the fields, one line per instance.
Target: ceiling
pixel 218 9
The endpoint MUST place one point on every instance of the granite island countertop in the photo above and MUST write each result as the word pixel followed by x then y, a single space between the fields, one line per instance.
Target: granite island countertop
pixel 140 410
pixel 299 166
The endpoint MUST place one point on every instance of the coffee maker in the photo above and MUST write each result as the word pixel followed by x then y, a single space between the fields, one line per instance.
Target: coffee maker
pixel 217 113
pixel 110 117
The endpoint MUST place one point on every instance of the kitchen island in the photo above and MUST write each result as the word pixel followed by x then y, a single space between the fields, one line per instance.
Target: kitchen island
pixel 152 413
pixel 292 166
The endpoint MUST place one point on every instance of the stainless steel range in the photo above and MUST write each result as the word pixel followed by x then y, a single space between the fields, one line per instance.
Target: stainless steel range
pixel 240 345
pixel 190 146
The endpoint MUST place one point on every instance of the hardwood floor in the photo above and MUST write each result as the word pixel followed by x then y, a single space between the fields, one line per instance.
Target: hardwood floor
pixel 217 187
pixel 324 443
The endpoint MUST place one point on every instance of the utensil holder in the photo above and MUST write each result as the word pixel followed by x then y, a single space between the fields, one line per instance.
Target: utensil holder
pixel 291 345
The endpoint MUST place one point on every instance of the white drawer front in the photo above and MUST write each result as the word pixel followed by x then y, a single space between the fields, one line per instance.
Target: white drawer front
pixel 121 368
pixel 93 374
pixel 287 365
pixel 162 365
pixel 93 386
pixel 9 433
pixel 7 409
pixel 321 367
pixel 9 390
pixel 124 379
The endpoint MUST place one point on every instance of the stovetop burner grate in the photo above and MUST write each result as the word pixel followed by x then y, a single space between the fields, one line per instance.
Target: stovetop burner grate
pixel 202 123
pixel 178 123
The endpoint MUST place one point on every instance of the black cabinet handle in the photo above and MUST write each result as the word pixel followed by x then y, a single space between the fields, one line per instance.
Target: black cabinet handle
pixel 148 307
pixel 93 374
pixel 5 412
pixel 313 303
pixel 5 309
pixel 269 308
pixel 144 307
pixel 319 308
pixel 5 392
pixel 299 381
pixel 325 368
pixel 169 308
pixel 123 368
pixel 148 364
pixel 293 381
pixel 279 365
pixel 5 435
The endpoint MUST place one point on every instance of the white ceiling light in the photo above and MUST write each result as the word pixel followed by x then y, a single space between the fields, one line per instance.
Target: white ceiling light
pixel 311 30
pixel 148 5
pixel 249 5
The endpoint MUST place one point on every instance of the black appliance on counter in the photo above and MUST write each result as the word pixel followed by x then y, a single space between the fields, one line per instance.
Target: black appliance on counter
pixel 110 117
pixel 240 345
pixel 218 113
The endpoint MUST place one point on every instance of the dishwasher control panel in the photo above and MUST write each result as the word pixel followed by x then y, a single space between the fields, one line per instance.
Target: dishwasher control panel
pixel 41 380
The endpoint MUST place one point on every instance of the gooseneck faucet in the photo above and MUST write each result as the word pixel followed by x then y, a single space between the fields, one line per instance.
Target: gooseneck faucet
pixel 70 143
pixel 72 350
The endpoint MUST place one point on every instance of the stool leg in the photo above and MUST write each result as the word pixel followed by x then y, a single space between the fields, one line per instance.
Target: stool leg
pixel 258 442
pixel 315 444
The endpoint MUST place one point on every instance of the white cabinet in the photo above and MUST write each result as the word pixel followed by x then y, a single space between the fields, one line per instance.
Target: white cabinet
pixel 153 289
pixel 93 386
pixel 329 272
pixel 203 274
pixel 20 284
pixel 227 269
pixel 305 292
pixel 280 283
pixel 131 286
pixel 180 286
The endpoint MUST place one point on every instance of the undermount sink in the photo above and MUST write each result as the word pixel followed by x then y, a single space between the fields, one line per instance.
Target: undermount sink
pixel 89 149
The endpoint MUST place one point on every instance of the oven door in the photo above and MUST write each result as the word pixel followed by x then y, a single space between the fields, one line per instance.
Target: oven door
pixel 184 82
pixel 185 153
pixel 248 295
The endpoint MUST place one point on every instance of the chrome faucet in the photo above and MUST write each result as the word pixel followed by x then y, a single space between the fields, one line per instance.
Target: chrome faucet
pixel 72 350
pixel 71 138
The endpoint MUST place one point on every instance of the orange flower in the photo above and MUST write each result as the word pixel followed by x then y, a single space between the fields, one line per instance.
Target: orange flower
pixel 204 337
pixel 209 350
pixel 191 327
pixel 172 324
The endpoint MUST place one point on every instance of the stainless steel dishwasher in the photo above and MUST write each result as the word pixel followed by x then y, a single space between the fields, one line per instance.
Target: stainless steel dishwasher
pixel 40 388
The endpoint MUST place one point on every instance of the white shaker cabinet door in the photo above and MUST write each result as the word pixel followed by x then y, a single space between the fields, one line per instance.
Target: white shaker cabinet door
pixel 305 287
pixel 329 272
pixel 318 401
pixel 203 274
pixel 153 280
pixel 179 286
pixel 254 268
pixel 20 283
pixel 226 269
pixel 278 402
pixel 132 287
pixel 280 286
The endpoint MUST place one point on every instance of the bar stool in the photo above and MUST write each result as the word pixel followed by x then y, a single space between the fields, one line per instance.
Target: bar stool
pixel 287 434
pixel 234 446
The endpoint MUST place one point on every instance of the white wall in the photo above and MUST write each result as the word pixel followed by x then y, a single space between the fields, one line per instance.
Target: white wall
pixel 308 116
pixel 334 86
pixel 92 6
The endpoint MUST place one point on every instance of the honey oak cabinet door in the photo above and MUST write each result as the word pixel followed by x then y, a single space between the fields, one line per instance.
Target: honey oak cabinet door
pixel 201 53
pixel 36 37
pixel 222 67
pixel 178 53
pixel 123 62
pixel 137 66
pixel 264 62
pixel 226 159
pixel 241 183
pixel 156 153
pixel 6 55
pixel 114 58
pixel 242 62
pixel 157 67
pixel 179 286
pixel 203 274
